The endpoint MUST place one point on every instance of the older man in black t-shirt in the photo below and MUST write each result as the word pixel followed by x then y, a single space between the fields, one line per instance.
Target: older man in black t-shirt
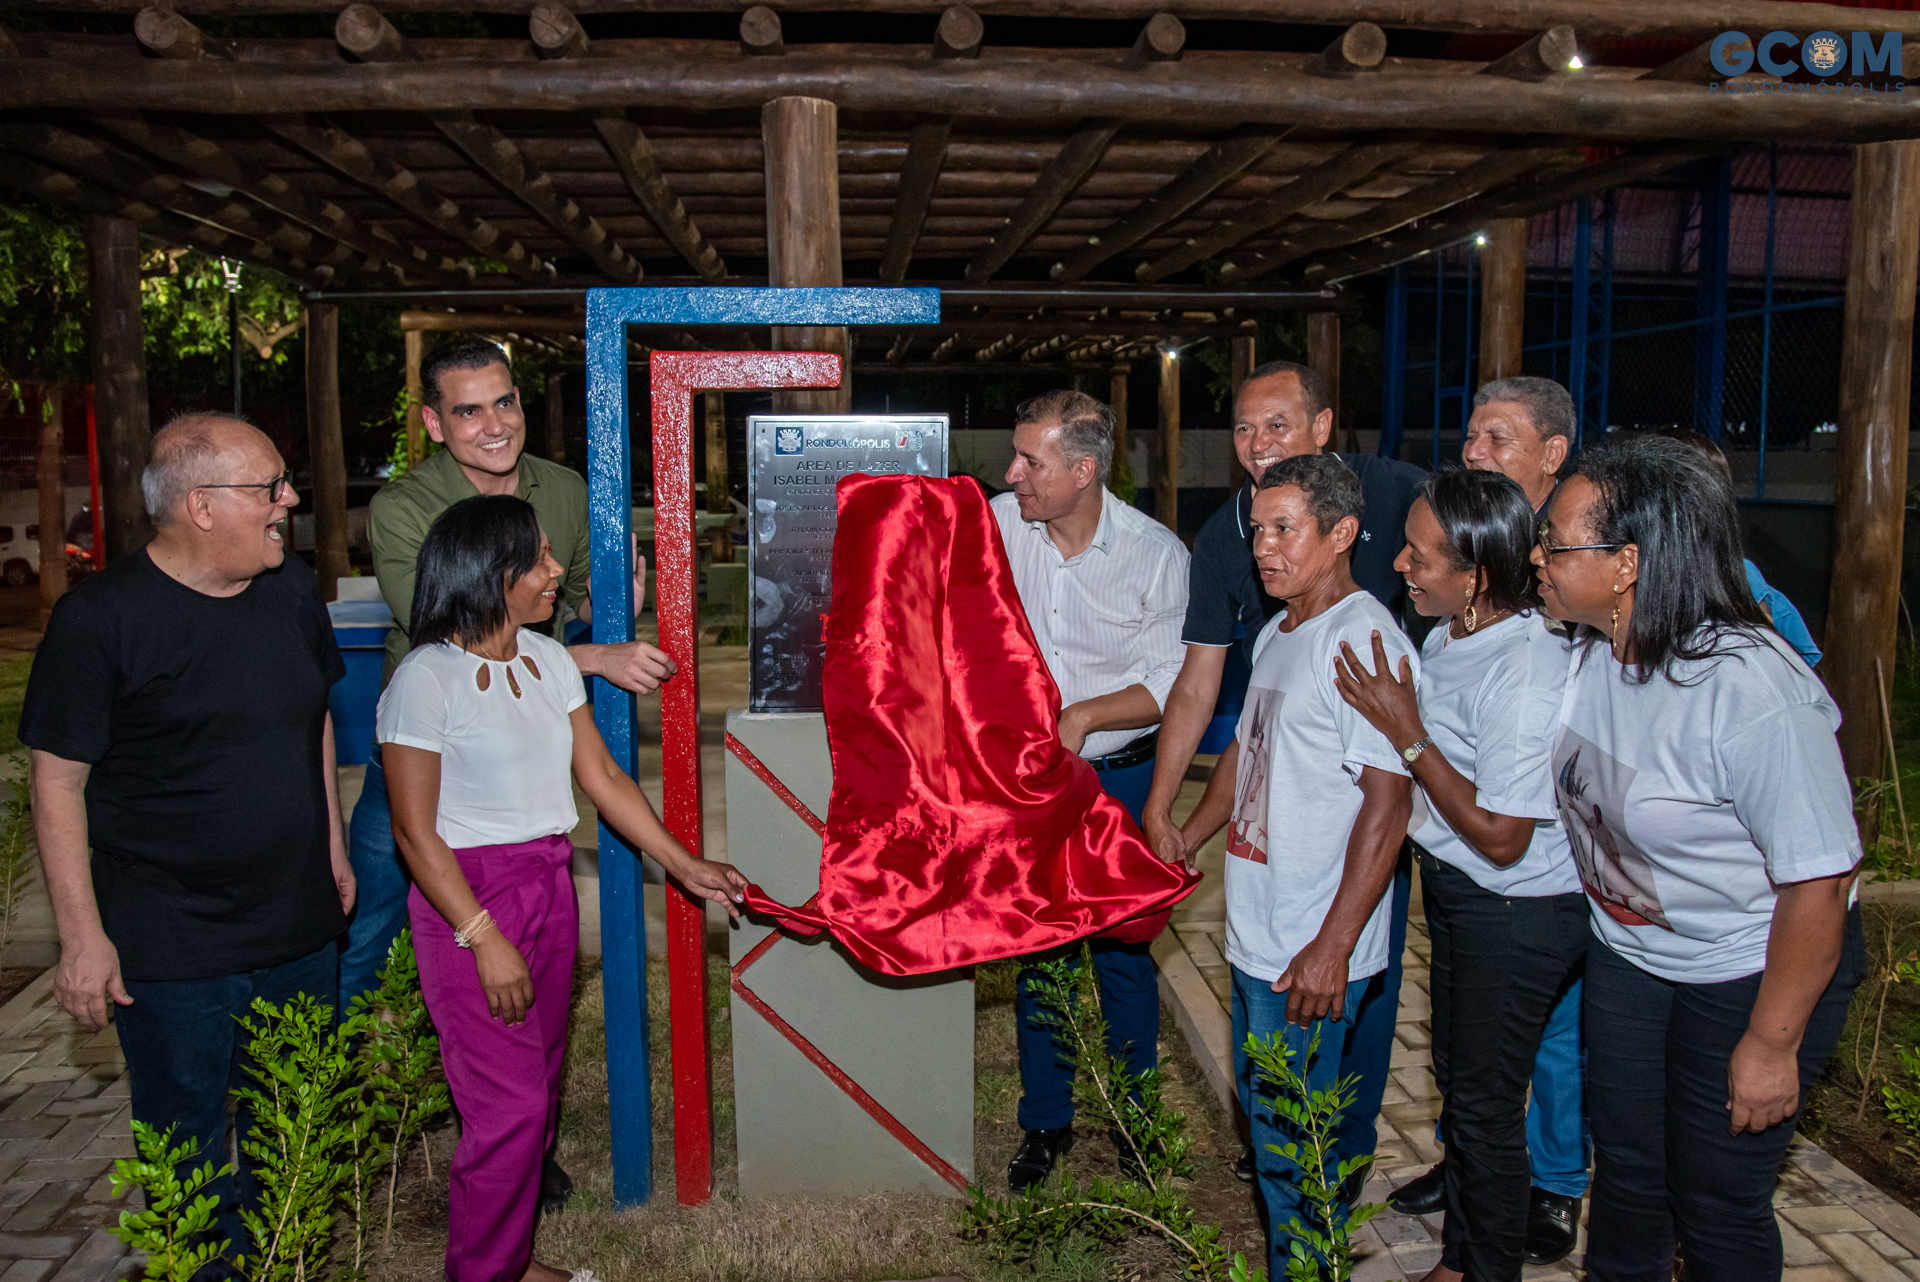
pixel 1280 411
pixel 183 782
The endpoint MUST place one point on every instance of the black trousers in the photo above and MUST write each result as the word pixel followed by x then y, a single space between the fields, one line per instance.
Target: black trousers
pixel 1665 1169
pixel 1499 965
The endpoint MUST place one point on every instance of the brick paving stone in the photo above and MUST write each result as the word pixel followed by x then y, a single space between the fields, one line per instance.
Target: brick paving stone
pixel 1887 1247
pixel 83 1107
pixel 1817 1273
pixel 44 1207
pixel 95 1261
pixel 47 1074
pixel 71 1138
pixel 114 1146
pixel 1815 1220
pixel 29 1104
pixel 1893 1219
pixel 39 1246
pixel 120 1088
pixel 15 1192
pixel 27 1270
pixel 1851 1251
pixel 30 1128
pixel 1797 1248
pixel 86 1169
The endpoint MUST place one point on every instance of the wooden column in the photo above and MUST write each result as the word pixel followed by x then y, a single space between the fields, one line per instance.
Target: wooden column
pixel 1245 357
pixel 326 453
pixel 1870 481
pixel 52 476
pixel 119 380
pixel 1166 473
pixel 416 423
pixel 717 474
pixel 1323 355
pixel 556 421
pixel 1503 297
pixel 1117 400
pixel 801 137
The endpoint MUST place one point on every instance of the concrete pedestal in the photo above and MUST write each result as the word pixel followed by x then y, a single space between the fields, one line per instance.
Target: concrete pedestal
pixel 904 1047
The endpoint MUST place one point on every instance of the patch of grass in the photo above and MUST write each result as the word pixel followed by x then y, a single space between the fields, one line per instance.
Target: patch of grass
pixel 13 693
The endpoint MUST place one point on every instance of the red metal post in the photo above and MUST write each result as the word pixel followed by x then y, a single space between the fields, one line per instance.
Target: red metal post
pixel 93 479
pixel 675 376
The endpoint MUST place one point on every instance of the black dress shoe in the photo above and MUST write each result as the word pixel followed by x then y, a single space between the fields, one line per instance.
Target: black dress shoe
pixel 1355 1186
pixel 1424 1194
pixel 1130 1166
pixel 1036 1156
pixel 1243 1169
pixel 1553 1223
pixel 556 1186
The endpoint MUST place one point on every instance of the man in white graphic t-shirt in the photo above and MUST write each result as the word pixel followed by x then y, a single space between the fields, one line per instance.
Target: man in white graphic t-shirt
pixel 1319 802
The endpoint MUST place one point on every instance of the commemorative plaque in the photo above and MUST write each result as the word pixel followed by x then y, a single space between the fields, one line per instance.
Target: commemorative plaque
pixel 795 460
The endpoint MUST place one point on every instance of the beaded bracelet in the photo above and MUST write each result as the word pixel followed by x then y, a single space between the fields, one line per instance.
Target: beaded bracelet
pixel 466 933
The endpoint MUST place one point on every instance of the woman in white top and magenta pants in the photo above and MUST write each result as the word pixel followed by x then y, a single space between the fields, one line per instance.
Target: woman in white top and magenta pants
pixel 1709 813
pixel 480 729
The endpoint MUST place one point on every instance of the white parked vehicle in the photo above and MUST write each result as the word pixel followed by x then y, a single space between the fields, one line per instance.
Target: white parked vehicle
pixel 20 531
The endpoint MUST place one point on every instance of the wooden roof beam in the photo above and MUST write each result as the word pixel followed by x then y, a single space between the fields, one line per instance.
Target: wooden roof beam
pixel 363 32
pixel 65 190
pixel 347 156
pixel 1494 170
pixel 197 155
pixel 118 171
pixel 760 33
pixel 959 35
pixel 1456 224
pixel 165 34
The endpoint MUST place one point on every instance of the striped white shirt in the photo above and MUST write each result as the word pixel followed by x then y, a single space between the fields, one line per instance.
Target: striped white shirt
pixel 1108 618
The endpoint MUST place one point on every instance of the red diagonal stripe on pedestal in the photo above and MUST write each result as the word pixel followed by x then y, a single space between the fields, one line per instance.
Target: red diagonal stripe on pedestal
pixel 835 1074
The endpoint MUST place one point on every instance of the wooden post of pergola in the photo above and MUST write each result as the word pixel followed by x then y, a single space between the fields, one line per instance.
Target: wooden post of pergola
pixel 1166 475
pixel 1323 357
pixel 1245 357
pixel 801 137
pixel 326 452
pixel 717 497
pixel 556 421
pixel 119 380
pixel 1503 297
pixel 51 475
pixel 1117 400
pixel 1870 454
pixel 416 344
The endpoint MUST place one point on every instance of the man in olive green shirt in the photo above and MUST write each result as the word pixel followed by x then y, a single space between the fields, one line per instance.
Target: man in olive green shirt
pixel 472 409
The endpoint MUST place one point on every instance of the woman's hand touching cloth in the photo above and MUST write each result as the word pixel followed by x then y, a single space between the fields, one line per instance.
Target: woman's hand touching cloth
pixel 707 879
pixel 1389 704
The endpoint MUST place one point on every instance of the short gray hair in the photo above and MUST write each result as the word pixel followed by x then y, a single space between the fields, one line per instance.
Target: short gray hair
pixel 183 454
pixel 1548 405
pixel 1086 426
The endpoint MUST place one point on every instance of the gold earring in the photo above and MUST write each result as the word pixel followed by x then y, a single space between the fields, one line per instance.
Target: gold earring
pixel 1613 633
pixel 1469 620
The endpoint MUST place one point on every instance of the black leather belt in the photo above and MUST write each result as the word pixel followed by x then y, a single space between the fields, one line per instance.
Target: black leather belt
pixel 1137 753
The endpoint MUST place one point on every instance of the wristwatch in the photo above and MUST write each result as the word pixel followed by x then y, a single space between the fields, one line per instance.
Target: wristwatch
pixel 1413 754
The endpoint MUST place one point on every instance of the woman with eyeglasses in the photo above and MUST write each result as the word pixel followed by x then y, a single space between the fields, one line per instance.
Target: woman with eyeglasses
pixel 1505 915
pixel 1712 822
pixel 482 730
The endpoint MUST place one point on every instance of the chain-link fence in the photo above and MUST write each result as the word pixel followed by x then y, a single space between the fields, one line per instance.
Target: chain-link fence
pixel 1711 301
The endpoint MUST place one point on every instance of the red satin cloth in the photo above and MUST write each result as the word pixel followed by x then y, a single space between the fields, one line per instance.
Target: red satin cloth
pixel 959 829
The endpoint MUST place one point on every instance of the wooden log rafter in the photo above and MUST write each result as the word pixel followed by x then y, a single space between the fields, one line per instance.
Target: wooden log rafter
pixel 118 171
pixel 346 155
pixel 200 156
pixel 366 34
pixel 1667 19
pixel 57 187
pixel 959 35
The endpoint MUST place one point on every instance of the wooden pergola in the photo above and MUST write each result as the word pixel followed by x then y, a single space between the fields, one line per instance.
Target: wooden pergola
pixel 1080 204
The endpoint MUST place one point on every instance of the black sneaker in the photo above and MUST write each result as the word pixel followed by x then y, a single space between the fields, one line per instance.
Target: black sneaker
pixel 1036 1156
pixel 556 1186
pixel 1424 1194
pixel 1243 1169
pixel 1553 1225
pixel 1129 1165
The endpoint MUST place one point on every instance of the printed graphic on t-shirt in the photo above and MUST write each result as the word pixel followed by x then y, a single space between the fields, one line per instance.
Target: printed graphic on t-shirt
pixel 1247 834
pixel 1591 788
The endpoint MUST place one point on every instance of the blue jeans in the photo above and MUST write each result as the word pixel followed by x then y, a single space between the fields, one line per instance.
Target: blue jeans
pixel 1129 998
pixel 185 1051
pixel 1257 1009
pixel 1369 1050
pixel 380 912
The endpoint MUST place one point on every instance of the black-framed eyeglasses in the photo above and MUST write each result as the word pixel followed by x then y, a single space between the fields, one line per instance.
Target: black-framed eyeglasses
pixel 272 487
pixel 1550 548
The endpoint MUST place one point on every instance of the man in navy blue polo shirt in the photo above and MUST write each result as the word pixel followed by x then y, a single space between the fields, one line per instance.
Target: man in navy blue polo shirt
pixel 1282 410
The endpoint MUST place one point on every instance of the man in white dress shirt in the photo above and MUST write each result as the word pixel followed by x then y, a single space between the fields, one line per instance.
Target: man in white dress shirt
pixel 1105 590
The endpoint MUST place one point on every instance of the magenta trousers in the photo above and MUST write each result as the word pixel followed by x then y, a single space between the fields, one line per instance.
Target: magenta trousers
pixel 505 1081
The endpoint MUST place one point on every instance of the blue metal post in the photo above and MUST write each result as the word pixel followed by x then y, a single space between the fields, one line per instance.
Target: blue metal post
pixel 1394 402
pixel 1710 341
pixel 610 534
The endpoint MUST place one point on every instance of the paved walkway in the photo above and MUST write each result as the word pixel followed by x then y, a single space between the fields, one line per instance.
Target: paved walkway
pixel 1836 1226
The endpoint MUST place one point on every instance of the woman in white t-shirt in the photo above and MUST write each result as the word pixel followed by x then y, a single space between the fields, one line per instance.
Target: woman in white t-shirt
pixel 1505 915
pixel 1712 822
pixel 482 731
